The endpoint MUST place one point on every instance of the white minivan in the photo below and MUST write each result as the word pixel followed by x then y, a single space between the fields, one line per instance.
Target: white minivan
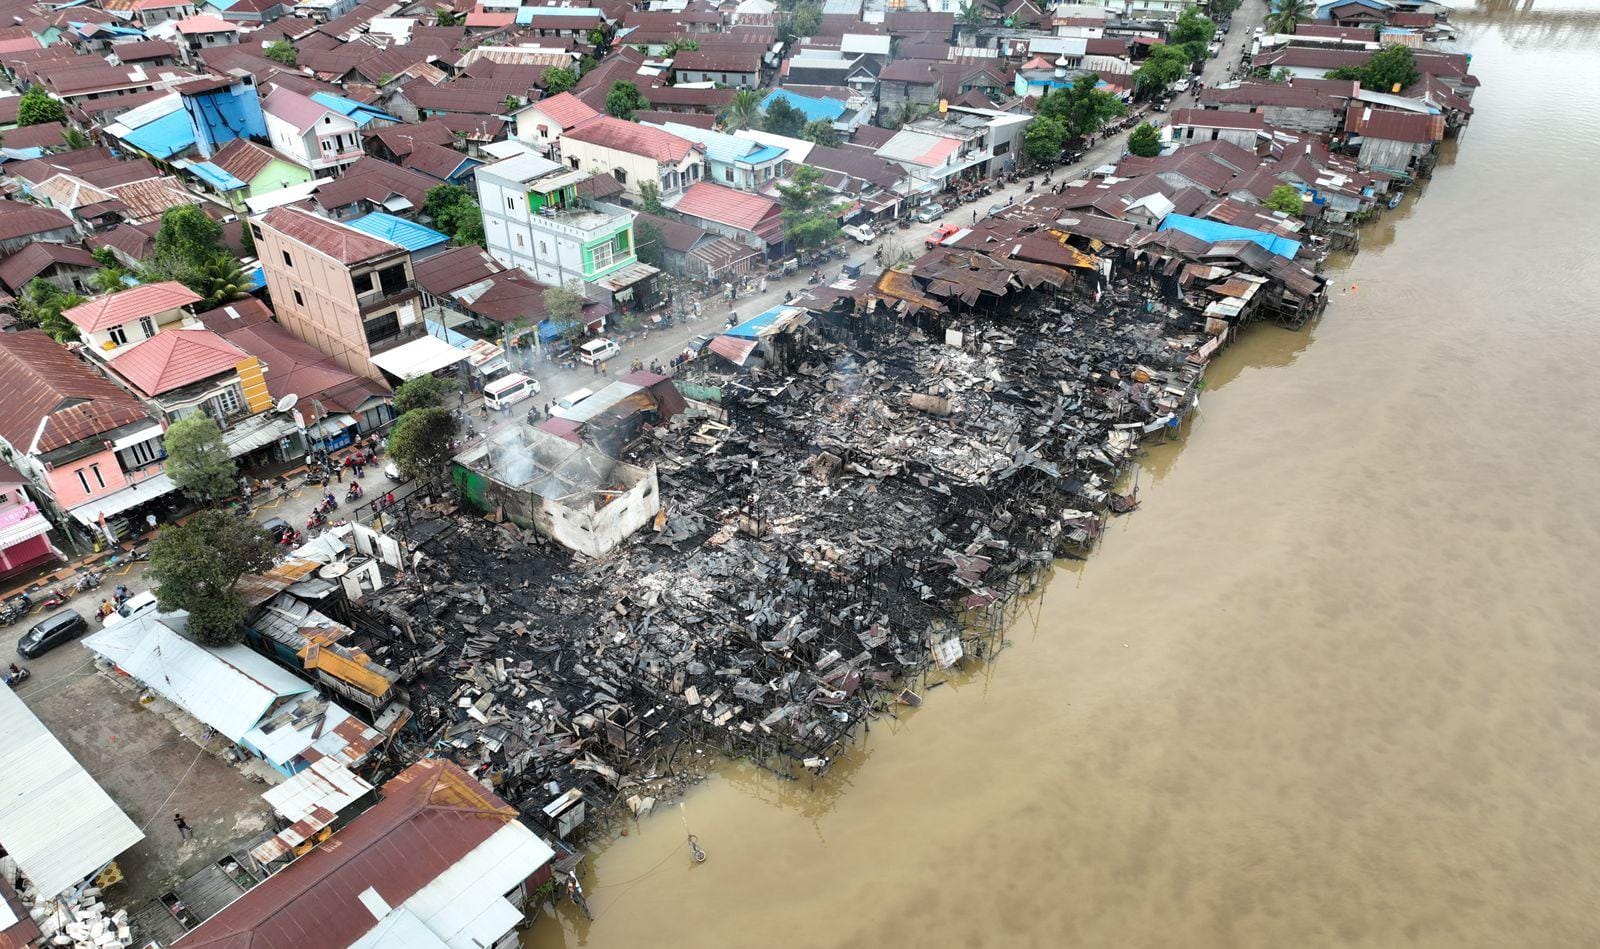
pixel 563 406
pixel 507 391
pixel 597 350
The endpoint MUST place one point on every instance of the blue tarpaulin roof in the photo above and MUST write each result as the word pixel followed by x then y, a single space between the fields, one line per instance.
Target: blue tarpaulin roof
pixel 169 135
pixel 755 326
pixel 397 230
pixel 359 112
pixel 1217 231
pixel 813 109
pixel 258 278
pixel 216 177
pixel 448 335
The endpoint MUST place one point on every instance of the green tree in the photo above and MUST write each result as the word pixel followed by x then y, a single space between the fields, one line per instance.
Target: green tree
pixel 972 16
pixel 1286 198
pixel 197 565
pixel 808 214
pixel 220 280
pixel 558 79
pixel 420 443
pixel 807 18
pixel 454 210
pixel 40 307
pixel 564 306
pixel 1390 70
pixel 1192 33
pixel 197 458
pixel 821 132
pixel 680 45
pixel 743 111
pixel 783 118
pixel 37 108
pixel 649 244
pixel 448 18
pixel 74 139
pixel 1044 138
pixel 1288 14
pixel 909 112
pixel 423 392
pixel 1164 66
pixel 1081 109
pixel 511 103
pixel 279 51
pixel 650 197
pixel 1223 9
pixel 1145 141
pixel 624 99
pixel 185 243
pixel 108 280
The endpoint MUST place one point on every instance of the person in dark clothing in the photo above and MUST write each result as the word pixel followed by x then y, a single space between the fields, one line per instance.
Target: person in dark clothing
pixel 184 830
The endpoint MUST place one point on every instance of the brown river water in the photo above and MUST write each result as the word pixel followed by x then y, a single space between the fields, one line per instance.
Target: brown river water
pixel 1337 682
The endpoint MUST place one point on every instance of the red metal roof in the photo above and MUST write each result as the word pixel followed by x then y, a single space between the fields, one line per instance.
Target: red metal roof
pixel 1219 119
pixel 1414 127
pixel 300 111
pixel 431 816
pixel 633 138
pixel 566 110
pixel 714 202
pixel 125 306
pixel 40 380
pixel 175 358
pixel 330 238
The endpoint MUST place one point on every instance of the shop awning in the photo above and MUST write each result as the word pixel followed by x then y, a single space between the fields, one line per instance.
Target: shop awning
pixel 88 513
pixel 253 433
pixel 26 528
pixel 153 430
pixel 419 357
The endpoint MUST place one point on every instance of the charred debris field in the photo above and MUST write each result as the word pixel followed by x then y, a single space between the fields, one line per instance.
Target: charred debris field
pixel 860 506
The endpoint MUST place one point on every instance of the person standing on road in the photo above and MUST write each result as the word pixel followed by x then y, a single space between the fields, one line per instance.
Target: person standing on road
pixel 150 521
pixel 184 830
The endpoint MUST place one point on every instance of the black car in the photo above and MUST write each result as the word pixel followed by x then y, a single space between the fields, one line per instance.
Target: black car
pixel 277 528
pixel 50 632
pixel 699 343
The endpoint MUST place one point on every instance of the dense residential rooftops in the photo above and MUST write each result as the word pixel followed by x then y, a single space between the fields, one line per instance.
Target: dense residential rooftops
pixel 50 399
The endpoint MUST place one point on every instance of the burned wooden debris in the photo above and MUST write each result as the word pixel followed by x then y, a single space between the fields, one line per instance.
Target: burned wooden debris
pixel 858 504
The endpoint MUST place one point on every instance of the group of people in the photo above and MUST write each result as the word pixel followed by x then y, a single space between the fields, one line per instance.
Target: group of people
pixel 327 467
pixel 108 606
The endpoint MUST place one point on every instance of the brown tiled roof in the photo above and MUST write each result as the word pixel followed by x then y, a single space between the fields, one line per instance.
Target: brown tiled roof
pixel 143 50
pixel 453 269
pixel 436 161
pixel 21 220
pixel 245 159
pixel 633 138
pixel 330 238
pixel 430 816
pixel 40 379
pixel 401 139
pixel 372 179
pixel 1414 127
pixel 720 57
pixel 36 258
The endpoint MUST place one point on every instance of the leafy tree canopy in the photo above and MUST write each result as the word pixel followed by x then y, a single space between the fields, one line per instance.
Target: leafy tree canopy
pixel 454 210
pixel 197 458
pixel 197 566
pixel 37 108
pixel 1392 68
pixel 1044 138
pixel 624 99
pixel 784 119
pixel 649 244
pixel 1286 198
pixel 279 51
pixel 1164 66
pixel 40 307
pixel 1081 109
pixel 821 132
pixel 808 215
pixel 1145 141
pixel 423 392
pixel 558 79
pixel 420 443
pixel 650 197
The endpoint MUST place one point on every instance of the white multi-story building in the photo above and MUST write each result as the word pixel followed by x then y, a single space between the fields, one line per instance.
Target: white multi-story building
pixel 534 218
pixel 310 134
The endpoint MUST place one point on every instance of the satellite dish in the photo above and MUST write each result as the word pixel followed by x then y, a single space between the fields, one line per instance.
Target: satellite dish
pixel 287 402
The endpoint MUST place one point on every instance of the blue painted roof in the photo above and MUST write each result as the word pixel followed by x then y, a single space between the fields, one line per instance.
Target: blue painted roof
pixel 167 136
pixel 221 4
pixel 725 148
pixel 258 278
pixel 216 177
pixel 397 230
pixel 360 112
pixel 813 109
pixel 753 327
pixel 448 335
pixel 1217 231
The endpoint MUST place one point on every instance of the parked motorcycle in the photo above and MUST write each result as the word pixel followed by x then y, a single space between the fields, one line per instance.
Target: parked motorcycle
pixel 15 608
pixel 289 540
pixel 58 597
pixel 88 580
pixel 17 675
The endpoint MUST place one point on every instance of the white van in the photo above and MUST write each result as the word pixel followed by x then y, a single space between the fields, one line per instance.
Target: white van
pixel 507 391
pixel 136 605
pixel 860 233
pixel 563 406
pixel 597 350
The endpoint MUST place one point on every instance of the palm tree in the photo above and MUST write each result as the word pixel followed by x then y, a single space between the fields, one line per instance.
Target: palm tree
pixel 221 281
pixel 744 110
pixel 910 112
pixel 971 15
pixel 108 280
pixel 1288 14
pixel 75 139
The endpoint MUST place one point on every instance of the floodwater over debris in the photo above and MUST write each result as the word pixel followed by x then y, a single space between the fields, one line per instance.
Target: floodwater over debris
pixel 1333 683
